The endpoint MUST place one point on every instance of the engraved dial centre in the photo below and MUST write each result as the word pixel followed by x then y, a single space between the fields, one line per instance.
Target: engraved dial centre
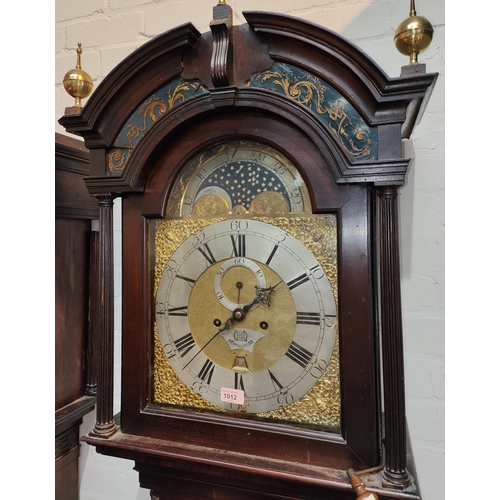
pixel 244 336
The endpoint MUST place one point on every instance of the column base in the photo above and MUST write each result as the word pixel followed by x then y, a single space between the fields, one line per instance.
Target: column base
pixel 104 431
pixel 398 481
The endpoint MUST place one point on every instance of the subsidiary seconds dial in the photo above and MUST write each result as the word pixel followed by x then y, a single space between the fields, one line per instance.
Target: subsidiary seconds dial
pixel 242 304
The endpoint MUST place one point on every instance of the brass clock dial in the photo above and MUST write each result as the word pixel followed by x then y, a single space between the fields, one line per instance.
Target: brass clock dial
pixel 243 300
pixel 260 320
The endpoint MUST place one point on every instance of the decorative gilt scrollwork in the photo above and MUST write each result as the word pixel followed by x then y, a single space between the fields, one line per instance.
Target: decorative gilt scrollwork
pixel 146 116
pixel 356 137
pixel 153 109
pixel 117 159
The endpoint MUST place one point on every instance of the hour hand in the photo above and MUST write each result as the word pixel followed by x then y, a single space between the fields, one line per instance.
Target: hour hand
pixel 264 294
pixel 227 326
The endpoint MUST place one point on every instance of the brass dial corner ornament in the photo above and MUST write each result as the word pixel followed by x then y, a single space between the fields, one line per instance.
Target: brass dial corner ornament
pixel 245 300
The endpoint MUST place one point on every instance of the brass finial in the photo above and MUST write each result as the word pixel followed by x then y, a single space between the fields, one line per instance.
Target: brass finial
pixel 222 2
pixel 77 82
pixel 413 35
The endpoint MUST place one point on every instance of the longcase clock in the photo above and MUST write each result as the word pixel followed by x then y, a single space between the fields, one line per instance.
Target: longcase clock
pixel 259 168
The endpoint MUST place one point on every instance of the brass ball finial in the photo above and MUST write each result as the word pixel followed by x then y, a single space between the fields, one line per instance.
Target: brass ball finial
pixel 77 82
pixel 413 35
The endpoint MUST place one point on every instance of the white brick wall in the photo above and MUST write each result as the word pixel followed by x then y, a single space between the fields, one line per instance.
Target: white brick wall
pixel 109 30
pixel 68 11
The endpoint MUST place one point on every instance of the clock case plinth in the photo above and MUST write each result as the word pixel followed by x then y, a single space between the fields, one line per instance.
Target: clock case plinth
pixel 138 159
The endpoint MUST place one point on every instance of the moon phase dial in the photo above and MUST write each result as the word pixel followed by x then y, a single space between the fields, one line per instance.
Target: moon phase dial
pixel 238 178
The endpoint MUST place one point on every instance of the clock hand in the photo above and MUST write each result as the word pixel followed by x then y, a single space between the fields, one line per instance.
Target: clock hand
pixel 257 300
pixel 265 293
pixel 226 326
pixel 263 296
pixel 239 286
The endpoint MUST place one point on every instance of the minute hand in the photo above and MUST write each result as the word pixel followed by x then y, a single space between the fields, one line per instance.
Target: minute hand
pixel 263 296
pixel 226 326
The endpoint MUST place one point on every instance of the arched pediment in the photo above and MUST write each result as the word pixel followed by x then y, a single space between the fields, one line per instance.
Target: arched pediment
pixel 341 64
pixel 129 84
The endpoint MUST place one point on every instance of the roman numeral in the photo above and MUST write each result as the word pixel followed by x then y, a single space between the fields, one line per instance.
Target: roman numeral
pixel 189 280
pixel 239 245
pixel 185 344
pixel 208 255
pixel 308 318
pixel 297 281
pixel 178 311
pixel 272 255
pixel 207 371
pixel 238 381
pixel 298 354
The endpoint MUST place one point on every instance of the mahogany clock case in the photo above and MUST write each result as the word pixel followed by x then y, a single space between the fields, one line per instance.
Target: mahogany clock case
pixel 356 182
pixel 329 198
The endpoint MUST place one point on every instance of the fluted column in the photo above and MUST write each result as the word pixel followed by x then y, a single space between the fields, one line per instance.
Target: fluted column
pixel 105 425
pixel 91 389
pixel 392 338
